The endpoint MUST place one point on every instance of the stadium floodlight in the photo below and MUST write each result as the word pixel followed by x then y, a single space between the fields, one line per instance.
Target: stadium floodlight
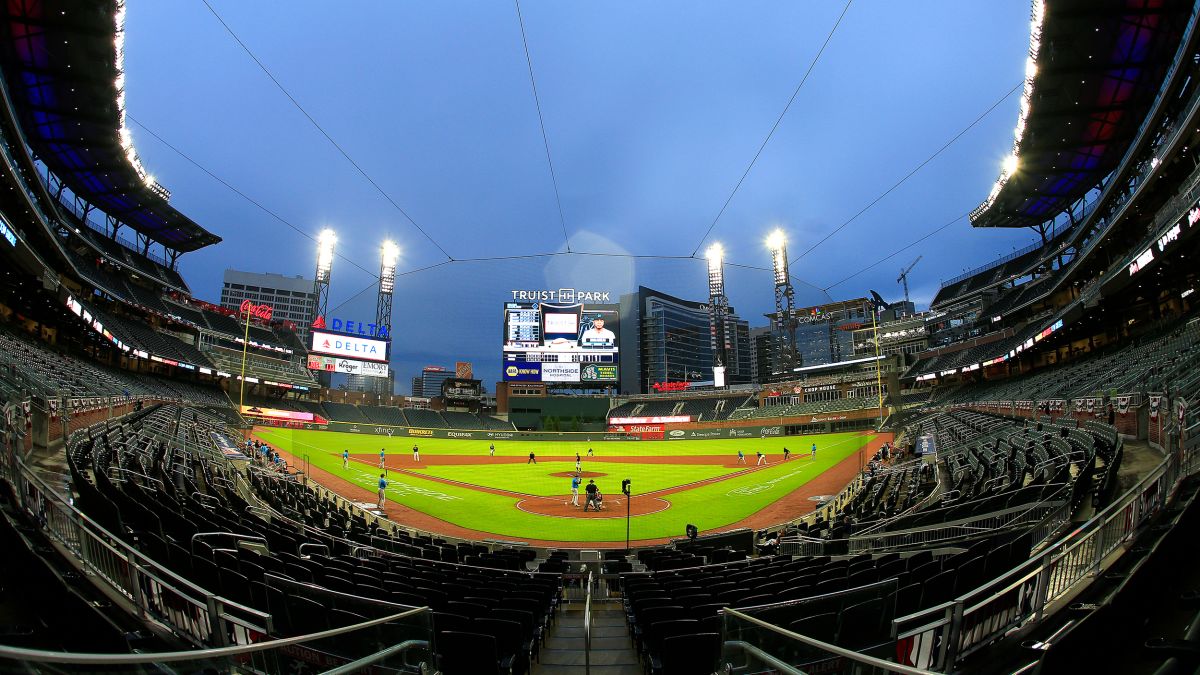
pixel 716 270
pixel 1011 163
pixel 785 301
pixel 777 242
pixel 325 245
pixel 389 254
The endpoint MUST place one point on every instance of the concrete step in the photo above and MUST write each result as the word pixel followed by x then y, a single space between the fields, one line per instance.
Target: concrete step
pixel 612 651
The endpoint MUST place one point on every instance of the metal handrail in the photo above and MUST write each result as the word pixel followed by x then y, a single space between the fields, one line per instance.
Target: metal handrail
pixel 777 664
pixel 43 656
pixel 826 647
pixel 361 664
pixel 587 627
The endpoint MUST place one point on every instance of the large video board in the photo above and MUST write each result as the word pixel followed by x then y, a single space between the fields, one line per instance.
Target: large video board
pixel 561 343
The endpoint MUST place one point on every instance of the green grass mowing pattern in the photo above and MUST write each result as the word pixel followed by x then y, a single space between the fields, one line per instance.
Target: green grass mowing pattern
pixel 536 479
pixel 708 507
pixel 336 441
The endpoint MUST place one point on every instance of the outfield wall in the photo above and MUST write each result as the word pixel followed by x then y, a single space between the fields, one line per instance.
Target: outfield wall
pixel 693 433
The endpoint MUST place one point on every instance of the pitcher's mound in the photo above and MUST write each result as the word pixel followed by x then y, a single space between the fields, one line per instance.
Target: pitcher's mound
pixel 582 474
pixel 614 506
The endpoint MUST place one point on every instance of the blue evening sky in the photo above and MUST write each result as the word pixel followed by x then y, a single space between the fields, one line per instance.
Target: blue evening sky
pixel 653 111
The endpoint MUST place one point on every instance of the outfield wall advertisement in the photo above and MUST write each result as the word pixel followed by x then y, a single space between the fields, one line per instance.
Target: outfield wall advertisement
pixel 627 433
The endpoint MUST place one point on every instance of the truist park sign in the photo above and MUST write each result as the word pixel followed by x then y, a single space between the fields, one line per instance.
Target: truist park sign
pixel 563 296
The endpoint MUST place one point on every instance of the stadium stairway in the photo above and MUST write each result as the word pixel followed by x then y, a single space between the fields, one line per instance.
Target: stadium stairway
pixel 612 648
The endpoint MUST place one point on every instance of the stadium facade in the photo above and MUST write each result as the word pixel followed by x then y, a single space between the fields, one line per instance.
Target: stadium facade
pixel 1016 516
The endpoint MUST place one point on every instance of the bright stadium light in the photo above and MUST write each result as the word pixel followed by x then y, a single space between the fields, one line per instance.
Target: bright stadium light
pixel 325 243
pixel 1011 164
pixel 389 254
pixel 777 242
pixel 716 270
pixel 715 252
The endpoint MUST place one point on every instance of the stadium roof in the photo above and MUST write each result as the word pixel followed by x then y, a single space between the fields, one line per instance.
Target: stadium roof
pixel 1094 70
pixel 63 70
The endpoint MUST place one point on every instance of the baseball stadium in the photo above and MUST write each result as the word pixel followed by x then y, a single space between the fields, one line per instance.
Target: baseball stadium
pixel 428 362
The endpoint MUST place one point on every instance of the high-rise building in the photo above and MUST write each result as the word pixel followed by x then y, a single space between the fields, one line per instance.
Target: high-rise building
pixel 824 333
pixel 290 298
pixel 431 380
pixel 667 339
pixel 384 386
pixel 765 353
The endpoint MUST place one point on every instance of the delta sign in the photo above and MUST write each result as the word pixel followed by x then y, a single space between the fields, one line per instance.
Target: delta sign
pixel 349 346
pixel 348 326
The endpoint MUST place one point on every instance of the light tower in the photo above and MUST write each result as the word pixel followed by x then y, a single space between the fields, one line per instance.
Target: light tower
pixel 785 301
pixel 389 253
pixel 325 244
pixel 718 310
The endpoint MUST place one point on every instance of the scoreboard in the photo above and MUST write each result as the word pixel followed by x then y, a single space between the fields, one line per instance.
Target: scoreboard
pixel 459 389
pixel 567 343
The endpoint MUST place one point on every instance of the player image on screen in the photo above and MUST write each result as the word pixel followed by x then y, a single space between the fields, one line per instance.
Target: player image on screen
pixel 597 335
pixel 548 342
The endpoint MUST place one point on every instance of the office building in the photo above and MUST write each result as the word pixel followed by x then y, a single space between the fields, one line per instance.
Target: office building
pixel 824 333
pixel 290 298
pixel 383 386
pixel 430 381
pixel 667 339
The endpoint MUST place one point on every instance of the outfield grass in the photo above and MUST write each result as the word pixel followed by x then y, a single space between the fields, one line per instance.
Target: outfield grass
pixel 709 506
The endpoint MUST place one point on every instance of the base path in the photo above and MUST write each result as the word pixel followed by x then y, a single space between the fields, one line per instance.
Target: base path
pixel 789 507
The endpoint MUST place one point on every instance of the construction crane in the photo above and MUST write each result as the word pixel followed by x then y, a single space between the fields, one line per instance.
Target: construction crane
pixel 903 278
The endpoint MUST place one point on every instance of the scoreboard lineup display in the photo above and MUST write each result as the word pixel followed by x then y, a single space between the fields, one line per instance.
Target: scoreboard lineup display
pixel 569 343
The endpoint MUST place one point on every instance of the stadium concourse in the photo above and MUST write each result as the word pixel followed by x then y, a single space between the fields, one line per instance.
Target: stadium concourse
pixel 1004 499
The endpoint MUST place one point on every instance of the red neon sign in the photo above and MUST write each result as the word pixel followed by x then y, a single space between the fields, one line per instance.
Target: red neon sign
pixel 670 386
pixel 261 312
pixel 319 323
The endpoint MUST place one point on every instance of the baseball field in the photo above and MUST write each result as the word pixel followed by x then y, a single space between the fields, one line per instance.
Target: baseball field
pixel 459 488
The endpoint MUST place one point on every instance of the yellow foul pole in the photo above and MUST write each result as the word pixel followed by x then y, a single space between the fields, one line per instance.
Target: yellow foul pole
pixel 245 347
pixel 878 365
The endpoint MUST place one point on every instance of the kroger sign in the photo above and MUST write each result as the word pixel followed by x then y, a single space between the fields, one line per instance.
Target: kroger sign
pixel 349 346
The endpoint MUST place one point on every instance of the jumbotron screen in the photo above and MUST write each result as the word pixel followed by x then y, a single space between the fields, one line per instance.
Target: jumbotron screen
pixel 561 343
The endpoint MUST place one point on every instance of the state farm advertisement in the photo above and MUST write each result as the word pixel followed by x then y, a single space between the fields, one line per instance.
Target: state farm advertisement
pixel 647 432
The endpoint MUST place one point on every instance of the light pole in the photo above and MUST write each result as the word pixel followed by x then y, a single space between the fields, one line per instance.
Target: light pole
pixel 785 300
pixel 325 246
pixel 625 488
pixel 718 308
